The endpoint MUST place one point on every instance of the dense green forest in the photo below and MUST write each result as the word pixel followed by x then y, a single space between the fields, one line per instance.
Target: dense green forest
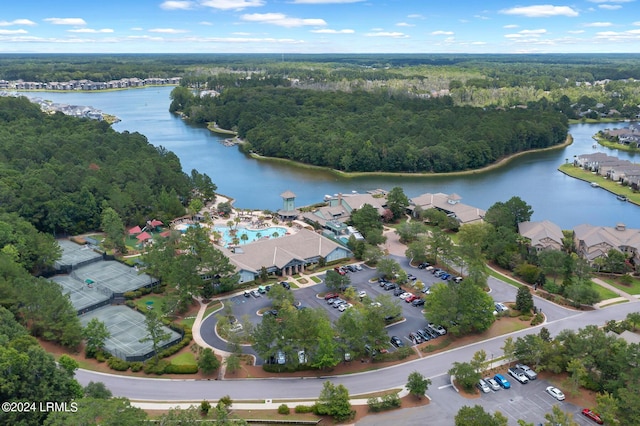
pixel 60 172
pixel 363 131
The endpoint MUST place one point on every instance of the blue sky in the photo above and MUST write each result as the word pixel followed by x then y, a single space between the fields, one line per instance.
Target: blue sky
pixel 320 26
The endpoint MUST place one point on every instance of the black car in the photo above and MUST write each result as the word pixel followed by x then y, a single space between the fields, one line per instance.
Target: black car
pixel 423 265
pixel 389 286
pixel 398 292
pixel 390 318
pixel 285 285
pixel 273 312
pixel 417 302
pixel 396 341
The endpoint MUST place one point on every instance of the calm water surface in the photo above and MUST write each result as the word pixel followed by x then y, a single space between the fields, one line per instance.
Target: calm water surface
pixel 257 184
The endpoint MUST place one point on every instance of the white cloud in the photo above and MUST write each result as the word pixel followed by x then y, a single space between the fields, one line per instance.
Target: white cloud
pixel 176 5
pixel 328 31
pixel 576 32
pixel 483 17
pixel 387 34
pixel 66 21
pixel 206 23
pixel 533 32
pixel 282 20
pixel 478 43
pixel 241 34
pixel 17 22
pixel 541 11
pixel 232 4
pixel 9 32
pixel 440 32
pixel 415 16
pixel 610 6
pixel 167 31
pixel 325 1
pixel 137 29
pixel 91 31
pixel 636 23
pixel 510 26
pixel 619 37
pixel 404 24
pixel 598 24
pixel 610 1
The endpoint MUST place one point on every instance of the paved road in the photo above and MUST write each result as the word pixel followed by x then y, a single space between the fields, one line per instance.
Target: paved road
pixel 390 377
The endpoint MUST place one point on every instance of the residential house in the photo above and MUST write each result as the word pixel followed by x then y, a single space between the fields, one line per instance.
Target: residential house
pixel 595 241
pixel 449 204
pixel 543 235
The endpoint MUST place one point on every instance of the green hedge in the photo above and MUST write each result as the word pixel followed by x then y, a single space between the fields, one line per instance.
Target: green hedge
pixel 284 409
pixel 386 402
pixel 181 369
pixel 152 367
pixel 136 366
pixel 117 364
pixel 301 409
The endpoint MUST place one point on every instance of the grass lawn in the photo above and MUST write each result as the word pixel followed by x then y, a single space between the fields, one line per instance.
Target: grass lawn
pixel 634 288
pixel 605 293
pixel 588 176
pixel 316 279
pixel 504 278
pixel 186 358
pixel 141 303
pixel 213 306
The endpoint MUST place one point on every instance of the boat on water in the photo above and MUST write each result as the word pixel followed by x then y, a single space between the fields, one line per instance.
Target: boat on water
pixel 594 185
pixel 622 197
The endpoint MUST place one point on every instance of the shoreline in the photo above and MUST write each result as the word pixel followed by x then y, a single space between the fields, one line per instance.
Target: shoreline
pixel 350 175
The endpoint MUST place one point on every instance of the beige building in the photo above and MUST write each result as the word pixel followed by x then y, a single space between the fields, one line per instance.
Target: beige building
pixel 450 204
pixel 543 235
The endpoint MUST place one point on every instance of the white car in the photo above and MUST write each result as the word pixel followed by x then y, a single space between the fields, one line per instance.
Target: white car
pixel 358 267
pixel 501 307
pixel 483 386
pixel 404 295
pixel 344 306
pixel 362 294
pixel 555 392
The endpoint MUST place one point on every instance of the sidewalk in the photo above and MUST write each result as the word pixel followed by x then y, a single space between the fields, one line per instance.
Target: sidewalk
pixel 622 296
pixel 268 404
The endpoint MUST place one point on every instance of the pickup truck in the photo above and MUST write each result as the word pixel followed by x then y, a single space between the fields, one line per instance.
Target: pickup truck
pixel 519 375
pixel 531 375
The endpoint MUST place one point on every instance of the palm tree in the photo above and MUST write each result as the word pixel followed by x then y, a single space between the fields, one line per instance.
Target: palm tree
pixel 244 237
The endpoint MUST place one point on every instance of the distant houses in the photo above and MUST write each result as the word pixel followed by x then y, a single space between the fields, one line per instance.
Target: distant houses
pixel 612 168
pixel 88 85
pixel 591 241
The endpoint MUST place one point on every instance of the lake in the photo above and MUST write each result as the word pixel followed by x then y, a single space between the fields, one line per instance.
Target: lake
pixel 258 184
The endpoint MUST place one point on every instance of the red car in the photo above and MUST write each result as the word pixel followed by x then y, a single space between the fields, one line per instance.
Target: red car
pixel 331 296
pixel 411 298
pixel 340 270
pixel 593 416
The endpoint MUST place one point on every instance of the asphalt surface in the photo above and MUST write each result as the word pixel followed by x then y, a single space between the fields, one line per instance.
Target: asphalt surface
pixel 445 402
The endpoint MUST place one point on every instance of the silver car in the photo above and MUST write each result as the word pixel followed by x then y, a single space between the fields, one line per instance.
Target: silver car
pixel 490 381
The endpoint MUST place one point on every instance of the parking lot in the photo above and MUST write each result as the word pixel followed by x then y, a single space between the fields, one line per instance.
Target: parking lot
pixel 528 402
pixel 364 280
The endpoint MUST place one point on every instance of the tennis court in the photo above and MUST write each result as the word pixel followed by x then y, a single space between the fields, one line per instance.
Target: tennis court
pixel 127 327
pixel 74 255
pixel 113 275
pixel 82 295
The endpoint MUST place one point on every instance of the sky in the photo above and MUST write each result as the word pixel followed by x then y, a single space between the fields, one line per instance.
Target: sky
pixel 320 26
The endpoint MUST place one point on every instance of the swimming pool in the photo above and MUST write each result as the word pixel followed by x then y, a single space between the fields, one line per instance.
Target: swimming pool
pixel 251 234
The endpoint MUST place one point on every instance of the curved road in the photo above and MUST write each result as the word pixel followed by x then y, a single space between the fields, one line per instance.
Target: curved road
pixel 157 389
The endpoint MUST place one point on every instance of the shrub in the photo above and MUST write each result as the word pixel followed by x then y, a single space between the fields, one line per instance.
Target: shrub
pixel 284 409
pixel 626 280
pixel 130 303
pixel 129 295
pixel 181 369
pixel 153 367
pixel 537 319
pixel 100 357
pixel 117 364
pixel 400 354
pixel 136 366
pixel 205 406
pixel 145 290
pixel 301 409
